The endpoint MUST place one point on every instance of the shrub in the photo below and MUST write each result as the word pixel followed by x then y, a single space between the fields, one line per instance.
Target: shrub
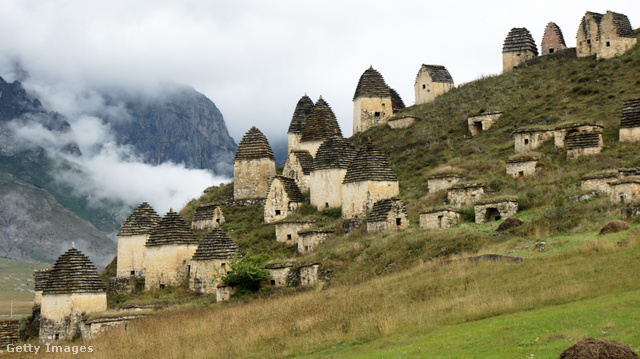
pixel 246 274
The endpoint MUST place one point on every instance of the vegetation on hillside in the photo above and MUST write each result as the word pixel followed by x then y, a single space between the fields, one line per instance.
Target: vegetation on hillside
pixel 411 283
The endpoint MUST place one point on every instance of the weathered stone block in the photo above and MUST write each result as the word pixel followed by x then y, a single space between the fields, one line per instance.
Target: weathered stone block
pixel 442 181
pixel 440 218
pixel 598 182
pixel 287 231
pixel 482 122
pixel 493 210
pixel 388 215
pixel 309 240
pixel 401 122
pixel 523 166
pixel 466 194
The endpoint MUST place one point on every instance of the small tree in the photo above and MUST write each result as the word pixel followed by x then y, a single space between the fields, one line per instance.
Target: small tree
pixel 246 274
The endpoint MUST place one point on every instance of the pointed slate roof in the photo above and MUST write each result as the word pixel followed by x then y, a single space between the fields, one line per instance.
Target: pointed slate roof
pixel 630 114
pixel 171 229
pixel 438 73
pixel 253 145
pixel 369 164
pixel 551 32
pixel 40 278
pixel 371 84
pixel 300 114
pixel 305 159
pixel 73 272
pixel 519 39
pixel 216 245
pixel 141 221
pixel 290 187
pixel 204 213
pixel 321 123
pixel 381 209
pixel 336 152
pixel 621 24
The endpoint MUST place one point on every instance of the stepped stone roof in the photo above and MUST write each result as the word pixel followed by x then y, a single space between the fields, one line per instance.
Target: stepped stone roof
pixel 321 123
pixel 381 209
pixel 300 114
pixel 204 213
pixel 396 101
pixel 622 25
pixel 583 140
pixel 40 278
pixel 171 229
pixel 369 164
pixel 72 273
pixel 291 188
pixel 495 200
pixel 336 152
pixel 253 145
pixel 438 73
pixel 306 161
pixel 630 114
pixel 519 39
pixel 216 245
pixel 372 84
pixel 141 221
pixel 553 30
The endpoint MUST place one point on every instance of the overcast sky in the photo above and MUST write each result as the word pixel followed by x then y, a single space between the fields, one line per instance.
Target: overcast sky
pixel 255 59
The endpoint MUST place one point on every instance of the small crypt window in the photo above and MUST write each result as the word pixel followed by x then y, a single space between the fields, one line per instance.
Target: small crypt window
pixel 288 237
pixel 277 212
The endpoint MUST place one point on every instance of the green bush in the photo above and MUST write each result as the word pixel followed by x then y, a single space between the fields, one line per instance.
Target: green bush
pixel 246 274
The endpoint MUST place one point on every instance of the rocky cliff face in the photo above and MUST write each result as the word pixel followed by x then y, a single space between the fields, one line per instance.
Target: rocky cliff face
pixel 179 125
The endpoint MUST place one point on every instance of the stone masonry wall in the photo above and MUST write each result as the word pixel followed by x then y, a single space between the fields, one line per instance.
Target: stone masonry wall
pixel 511 60
pixel 326 188
pixel 625 191
pixel 426 90
pixel 401 122
pixel 598 183
pixel 131 251
pixel 460 196
pixel 530 140
pixel 293 169
pixel 251 177
pixel 480 123
pixel 370 111
pixel 287 232
pixel 205 275
pixel 310 240
pixel 358 197
pixel 486 212
pixel 440 219
pixel 167 265
pixel 9 332
pixel 391 224
pixel 522 168
pixel 612 45
pixel 442 182
pixel 61 314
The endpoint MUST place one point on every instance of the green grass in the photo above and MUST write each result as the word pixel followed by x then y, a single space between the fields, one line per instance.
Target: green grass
pixel 539 333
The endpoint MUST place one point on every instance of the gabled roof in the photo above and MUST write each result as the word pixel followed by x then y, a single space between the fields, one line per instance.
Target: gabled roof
pixel 519 39
pixel 630 114
pixel 300 114
pixel 253 145
pixel 381 209
pixel 290 187
pixel 597 17
pixel 141 221
pixel 171 229
pixel 204 213
pixel 335 152
pixel 216 245
pixel 369 164
pixel 73 272
pixel 621 24
pixel 305 159
pixel 321 123
pixel 438 73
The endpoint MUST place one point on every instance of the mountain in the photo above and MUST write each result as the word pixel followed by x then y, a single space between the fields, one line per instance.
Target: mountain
pixel 176 124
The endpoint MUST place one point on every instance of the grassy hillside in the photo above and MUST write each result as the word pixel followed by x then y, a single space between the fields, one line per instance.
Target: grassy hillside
pixel 16 282
pixel 394 295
